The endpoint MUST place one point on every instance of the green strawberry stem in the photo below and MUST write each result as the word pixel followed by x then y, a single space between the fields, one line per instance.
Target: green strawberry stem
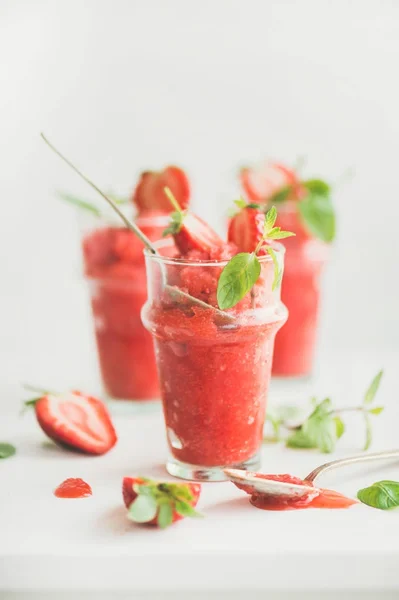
pixel 137 231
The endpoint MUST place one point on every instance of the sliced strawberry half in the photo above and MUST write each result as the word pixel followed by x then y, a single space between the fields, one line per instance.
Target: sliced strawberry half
pixel 76 421
pixel 262 183
pixel 246 228
pixel 196 234
pixel 159 503
pixel 149 194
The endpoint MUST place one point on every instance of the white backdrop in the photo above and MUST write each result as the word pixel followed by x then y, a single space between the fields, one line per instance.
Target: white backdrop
pixel 125 85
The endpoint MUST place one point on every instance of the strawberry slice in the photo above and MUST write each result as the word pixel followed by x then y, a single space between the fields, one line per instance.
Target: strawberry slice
pixel 75 421
pixel 261 184
pixel 159 503
pixel 149 194
pixel 246 228
pixel 196 234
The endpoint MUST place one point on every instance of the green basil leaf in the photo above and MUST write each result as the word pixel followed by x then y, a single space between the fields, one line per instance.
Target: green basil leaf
pixel 185 509
pixel 7 450
pixel 382 494
pixel 143 509
pixel 237 279
pixel 318 215
pixel 278 273
pixel 339 427
pixel 373 388
pixel 270 219
pixel 165 515
pixel 79 203
pixel 376 411
pixel 317 186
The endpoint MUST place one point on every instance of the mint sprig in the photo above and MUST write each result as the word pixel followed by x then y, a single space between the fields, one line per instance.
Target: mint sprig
pixel 156 500
pixel 325 425
pixel 176 217
pixel 242 272
pixel 7 450
pixel 382 494
pixel 87 206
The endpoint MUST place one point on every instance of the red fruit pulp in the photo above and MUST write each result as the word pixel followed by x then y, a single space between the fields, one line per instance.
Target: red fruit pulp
pixel 214 374
pixel 73 488
pixel 304 261
pixel 114 264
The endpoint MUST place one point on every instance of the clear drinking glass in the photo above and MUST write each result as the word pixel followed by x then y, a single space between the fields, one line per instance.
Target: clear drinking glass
pixel 115 271
pixel 214 367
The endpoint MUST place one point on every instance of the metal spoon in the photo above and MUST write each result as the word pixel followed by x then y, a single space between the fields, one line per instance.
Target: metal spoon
pixel 292 490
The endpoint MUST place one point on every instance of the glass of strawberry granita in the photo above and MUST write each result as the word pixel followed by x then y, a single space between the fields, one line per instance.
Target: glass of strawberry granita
pixel 115 270
pixel 214 366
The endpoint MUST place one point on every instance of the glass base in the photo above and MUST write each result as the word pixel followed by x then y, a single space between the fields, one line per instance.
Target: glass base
pixel 120 406
pixel 199 473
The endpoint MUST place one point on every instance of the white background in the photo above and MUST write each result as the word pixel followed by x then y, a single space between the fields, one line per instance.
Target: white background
pixel 121 86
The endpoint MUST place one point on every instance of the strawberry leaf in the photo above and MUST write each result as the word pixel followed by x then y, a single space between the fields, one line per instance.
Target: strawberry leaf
pixel 240 203
pixel 143 509
pixel 186 510
pixel 237 279
pixel 165 515
pixel 7 450
pixel 176 221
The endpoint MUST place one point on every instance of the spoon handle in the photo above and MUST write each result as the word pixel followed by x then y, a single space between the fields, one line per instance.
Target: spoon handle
pixel 358 458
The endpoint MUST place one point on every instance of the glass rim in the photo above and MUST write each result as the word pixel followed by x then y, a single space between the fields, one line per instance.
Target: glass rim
pixel 169 260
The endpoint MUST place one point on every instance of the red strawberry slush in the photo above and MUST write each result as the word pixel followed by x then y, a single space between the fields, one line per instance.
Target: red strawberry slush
pixel 305 257
pixel 114 265
pixel 214 367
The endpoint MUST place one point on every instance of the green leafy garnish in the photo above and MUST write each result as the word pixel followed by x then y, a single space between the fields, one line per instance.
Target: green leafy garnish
pixel 176 217
pixel 7 450
pixel 88 206
pixel 281 195
pixel 243 270
pixel 159 501
pixel 317 186
pixel 382 494
pixel 317 213
pixel 324 426
pixel 237 279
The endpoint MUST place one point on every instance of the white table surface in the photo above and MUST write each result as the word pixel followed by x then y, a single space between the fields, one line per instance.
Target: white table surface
pixel 88 544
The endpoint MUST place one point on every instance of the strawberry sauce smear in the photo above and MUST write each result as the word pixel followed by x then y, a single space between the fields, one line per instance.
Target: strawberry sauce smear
pixel 73 488
pixel 320 498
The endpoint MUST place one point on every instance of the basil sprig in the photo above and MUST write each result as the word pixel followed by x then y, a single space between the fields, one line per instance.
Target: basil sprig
pixel 243 270
pixel 382 494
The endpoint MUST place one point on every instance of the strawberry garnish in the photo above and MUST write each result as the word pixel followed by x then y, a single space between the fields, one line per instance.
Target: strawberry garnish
pixel 190 232
pixel 75 421
pixel 149 194
pixel 260 185
pixel 73 488
pixel 159 503
pixel 246 228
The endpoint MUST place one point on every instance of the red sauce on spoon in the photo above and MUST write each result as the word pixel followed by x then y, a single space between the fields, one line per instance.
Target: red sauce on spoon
pixel 73 488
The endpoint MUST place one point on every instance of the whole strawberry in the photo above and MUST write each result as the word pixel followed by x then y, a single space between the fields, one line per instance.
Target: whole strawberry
pixel 159 503
pixel 75 421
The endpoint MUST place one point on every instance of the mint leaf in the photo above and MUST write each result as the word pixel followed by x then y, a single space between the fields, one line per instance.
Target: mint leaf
pixel 299 440
pixel 376 411
pixel 7 450
pixel 278 273
pixel 318 215
pixel 176 221
pixel 320 427
pixel 382 494
pixel 317 186
pixel 143 509
pixel 339 427
pixel 165 515
pixel 270 219
pixel 79 203
pixel 277 234
pixel 237 279
pixel 282 195
pixel 373 388
pixel 185 509
pixel 253 205
pixel 369 436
